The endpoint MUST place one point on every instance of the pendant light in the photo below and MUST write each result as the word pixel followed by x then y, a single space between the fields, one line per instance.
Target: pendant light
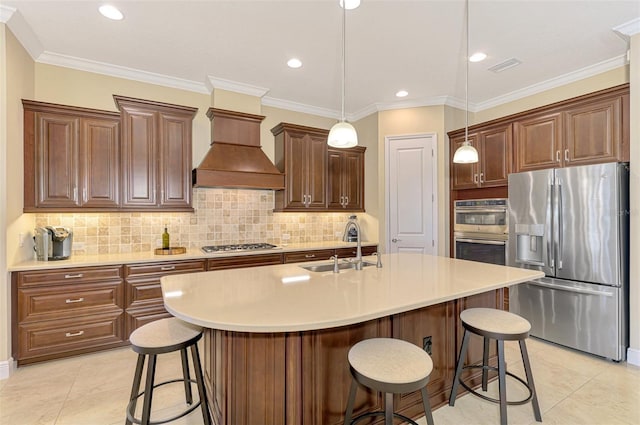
pixel 466 154
pixel 343 134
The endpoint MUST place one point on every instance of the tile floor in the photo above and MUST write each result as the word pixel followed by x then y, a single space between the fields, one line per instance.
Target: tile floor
pixel 573 388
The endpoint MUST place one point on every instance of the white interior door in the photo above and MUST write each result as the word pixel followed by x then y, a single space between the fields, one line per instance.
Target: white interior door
pixel 411 193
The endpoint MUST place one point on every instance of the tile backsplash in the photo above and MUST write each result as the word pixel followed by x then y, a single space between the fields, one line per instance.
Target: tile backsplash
pixel 222 216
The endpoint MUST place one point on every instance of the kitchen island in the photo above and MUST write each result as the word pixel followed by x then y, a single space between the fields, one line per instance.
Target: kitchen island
pixel 277 337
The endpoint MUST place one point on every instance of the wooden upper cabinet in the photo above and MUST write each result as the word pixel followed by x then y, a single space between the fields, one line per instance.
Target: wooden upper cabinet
pixel 301 154
pixel 345 190
pixel 71 157
pixel 538 142
pixel 156 155
pixel 494 158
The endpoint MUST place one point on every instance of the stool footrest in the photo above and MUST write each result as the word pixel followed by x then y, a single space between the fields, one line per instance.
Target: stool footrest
pixel 495 400
pixel 192 407
pixel 381 413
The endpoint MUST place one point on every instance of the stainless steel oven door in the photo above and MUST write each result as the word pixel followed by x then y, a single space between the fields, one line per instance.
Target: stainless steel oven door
pixel 488 249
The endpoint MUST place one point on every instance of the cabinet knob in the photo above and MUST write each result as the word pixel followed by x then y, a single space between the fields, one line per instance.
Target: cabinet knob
pixel 481 178
pixel 566 155
pixel 475 178
pixel 557 156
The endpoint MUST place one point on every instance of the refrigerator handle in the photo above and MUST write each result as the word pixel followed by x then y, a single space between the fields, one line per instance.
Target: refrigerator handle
pixel 560 225
pixel 570 289
pixel 548 233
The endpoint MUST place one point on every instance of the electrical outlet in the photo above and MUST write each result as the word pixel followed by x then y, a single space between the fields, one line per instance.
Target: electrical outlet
pixel 427 344
pixel 285 236
pixel 21 239
pixel 78 245
pixel 338 234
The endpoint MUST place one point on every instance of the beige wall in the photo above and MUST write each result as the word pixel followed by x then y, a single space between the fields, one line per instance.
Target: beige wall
pixel 634 286
pixel 16 82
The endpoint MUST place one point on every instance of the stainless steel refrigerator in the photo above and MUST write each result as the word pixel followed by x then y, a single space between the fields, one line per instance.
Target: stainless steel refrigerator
pixel 573 224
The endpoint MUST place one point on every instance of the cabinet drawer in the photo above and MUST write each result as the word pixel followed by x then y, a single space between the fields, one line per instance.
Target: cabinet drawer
pixel 351 252
pixel 139 317
pixel 143 292
pixel 164 268
pixel 243 261
pixel 300 256
pixel 57 302
pixel 67 276
pixel 52 338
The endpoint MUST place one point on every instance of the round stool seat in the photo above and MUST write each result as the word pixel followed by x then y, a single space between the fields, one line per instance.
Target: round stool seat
pixel 383 363
pixel 164 336
pixel 496 324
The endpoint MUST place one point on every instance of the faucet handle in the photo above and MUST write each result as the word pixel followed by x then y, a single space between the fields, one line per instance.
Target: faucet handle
pixel 336 268
pixel 379 262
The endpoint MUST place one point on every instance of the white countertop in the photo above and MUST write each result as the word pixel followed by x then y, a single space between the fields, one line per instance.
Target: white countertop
pixel 258 299
pixel 150 257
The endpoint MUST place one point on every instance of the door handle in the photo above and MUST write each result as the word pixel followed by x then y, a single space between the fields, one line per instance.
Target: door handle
pixel 481 178
pixel 566 155
pixel 396 240
pixel 558 156
pixel 475 178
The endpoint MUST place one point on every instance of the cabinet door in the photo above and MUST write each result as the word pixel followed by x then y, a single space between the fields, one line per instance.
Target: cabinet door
pixel 593 132
pixel 57 160
pixel 139 158
pixel 495 156
pixel 100 162
pixel 353 181
pixel 538 142
pixel 463 176
pixel 175 160
pixel 316 171
pixel 295 173
pixel 335 194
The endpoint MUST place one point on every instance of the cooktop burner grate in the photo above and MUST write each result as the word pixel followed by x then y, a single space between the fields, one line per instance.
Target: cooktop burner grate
pixel 238 247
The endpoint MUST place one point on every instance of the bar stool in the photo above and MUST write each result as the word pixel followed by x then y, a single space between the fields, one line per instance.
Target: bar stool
pixel 390 366
pixel 502 326
pixel 159 337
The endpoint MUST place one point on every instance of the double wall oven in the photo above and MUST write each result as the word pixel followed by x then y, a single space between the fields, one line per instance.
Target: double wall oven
pixel 480 230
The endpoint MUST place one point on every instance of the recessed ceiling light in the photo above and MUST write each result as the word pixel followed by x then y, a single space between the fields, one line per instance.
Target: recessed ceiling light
pixel 294 63
pixel 349 4
pixel 477 57
pixel 110 12
pixel 402 93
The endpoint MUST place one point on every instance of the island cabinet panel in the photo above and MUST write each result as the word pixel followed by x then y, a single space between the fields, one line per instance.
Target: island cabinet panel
pixel 66 312
pixel 433 329
pixel 143 294
pixel 324 373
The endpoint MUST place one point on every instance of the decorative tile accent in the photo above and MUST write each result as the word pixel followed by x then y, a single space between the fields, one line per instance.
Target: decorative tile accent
pixel 222 216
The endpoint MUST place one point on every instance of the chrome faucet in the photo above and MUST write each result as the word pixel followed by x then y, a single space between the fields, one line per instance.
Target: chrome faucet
pixel 353 222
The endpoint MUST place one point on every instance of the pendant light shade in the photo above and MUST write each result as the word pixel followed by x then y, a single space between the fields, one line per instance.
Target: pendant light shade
pixel 343 134
pixel 466 154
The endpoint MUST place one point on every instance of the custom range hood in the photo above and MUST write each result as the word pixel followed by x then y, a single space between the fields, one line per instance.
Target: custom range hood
pixel 235 158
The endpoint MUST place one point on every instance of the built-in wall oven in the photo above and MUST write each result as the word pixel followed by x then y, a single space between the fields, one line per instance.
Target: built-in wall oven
pixel 480 230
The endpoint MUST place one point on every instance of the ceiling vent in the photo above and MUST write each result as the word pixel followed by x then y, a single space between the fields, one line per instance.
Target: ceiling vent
pixel 509 63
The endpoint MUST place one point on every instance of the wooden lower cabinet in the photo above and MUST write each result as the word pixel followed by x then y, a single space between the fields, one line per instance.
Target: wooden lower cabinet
pixel 303 377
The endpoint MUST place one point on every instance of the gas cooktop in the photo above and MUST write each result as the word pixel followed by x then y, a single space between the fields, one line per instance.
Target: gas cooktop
pixel 238 247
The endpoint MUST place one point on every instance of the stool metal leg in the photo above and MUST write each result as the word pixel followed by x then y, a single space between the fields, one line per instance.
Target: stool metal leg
pixel 388 408
pixel 459 364
pixel 485 363
pixel 352 398
pixel 527 371
pixel 204 404
pixel 427 406
pixel 135 388
pixel 148 390
pixel 502 381
pixel 186 377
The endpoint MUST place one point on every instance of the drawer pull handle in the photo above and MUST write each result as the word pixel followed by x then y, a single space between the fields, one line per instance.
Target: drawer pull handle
pixel 166 268
pixel 69 334
pixel 310 256
pixel 77 300
pixel 73 276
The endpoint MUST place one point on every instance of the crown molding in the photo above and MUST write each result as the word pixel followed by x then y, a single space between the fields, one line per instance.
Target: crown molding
pixel 300 107
pixel 121 72
pixel 630 28
pixel 234 86
pixel 22 31
pixel 552 83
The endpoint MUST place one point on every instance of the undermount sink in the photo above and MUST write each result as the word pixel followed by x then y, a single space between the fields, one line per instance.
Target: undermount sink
pixel 319 268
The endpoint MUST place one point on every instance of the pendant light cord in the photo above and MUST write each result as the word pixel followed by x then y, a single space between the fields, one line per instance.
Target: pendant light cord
pixel 466 82
pixel 344 73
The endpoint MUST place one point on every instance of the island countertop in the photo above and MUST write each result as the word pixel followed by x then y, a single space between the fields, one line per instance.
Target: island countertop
pixel 287 298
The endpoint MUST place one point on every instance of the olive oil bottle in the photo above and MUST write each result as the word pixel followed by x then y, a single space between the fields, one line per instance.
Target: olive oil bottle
pixel 165 239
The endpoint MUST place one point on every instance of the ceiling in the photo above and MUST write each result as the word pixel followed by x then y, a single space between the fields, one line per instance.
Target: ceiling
pixel 418 46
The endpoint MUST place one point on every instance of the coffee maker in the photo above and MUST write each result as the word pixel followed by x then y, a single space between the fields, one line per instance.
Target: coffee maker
pixel 53 243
